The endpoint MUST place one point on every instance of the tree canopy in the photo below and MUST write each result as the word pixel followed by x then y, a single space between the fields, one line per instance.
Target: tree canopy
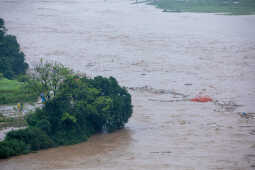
pixel 12 59
pixel 83 106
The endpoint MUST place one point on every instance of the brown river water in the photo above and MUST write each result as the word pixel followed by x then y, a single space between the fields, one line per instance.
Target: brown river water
pixel 165 59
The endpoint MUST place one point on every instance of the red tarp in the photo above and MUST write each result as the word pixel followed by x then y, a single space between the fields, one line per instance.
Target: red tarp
pixel 201 99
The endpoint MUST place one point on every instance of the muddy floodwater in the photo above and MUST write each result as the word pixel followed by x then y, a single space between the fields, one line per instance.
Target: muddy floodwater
pixel 164 59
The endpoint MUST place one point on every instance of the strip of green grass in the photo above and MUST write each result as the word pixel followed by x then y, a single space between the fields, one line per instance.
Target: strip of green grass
pixel 12 91
pixel 7 85
pixel 231 7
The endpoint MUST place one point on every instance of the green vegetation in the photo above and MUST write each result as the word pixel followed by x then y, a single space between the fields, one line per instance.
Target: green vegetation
pixel 47 78
pixel 24 141
pixel 231 7
pixel 13 81
pixel 13 91
pixel 75 106
pixel 12 60
pixel 9 85
pixel 79 108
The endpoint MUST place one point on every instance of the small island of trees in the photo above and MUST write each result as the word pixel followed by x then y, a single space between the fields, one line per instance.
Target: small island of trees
pixel 75 106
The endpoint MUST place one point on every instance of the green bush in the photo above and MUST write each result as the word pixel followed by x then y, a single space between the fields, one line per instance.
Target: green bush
pixel 12 147
pixel 33 137
pixel 24 141
pixel 44 125
pixel 23 78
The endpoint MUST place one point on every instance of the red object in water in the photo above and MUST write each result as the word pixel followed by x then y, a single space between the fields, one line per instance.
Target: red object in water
pixel 201 99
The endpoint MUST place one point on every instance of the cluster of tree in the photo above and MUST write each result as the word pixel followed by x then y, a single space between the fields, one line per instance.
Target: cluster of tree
pixel 77 108
pixel 12 60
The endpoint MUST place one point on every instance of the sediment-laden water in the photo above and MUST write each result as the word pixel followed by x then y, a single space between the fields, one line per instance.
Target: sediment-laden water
pixel 165 59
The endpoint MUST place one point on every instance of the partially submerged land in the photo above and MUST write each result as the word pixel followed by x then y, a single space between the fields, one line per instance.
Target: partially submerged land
pixel 231 7
pixel 81 107
pixel 74 106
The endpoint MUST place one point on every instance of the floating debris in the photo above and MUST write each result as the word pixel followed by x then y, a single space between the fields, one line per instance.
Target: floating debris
pixel 201 99
pixel 247 115
pixel 156 91
pixel 160 100
pixel 226 106
pixel 163 152
pixel 252 132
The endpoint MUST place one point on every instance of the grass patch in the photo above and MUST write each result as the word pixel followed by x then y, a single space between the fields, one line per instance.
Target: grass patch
pixel 7 85
pixel 230 7
pixel 13 91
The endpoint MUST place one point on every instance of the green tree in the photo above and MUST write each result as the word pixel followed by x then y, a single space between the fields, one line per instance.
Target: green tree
pixel 12 59
pixel 48 76
pixel 83 106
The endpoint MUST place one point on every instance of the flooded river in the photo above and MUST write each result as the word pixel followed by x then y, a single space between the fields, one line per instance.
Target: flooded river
pixel 165 59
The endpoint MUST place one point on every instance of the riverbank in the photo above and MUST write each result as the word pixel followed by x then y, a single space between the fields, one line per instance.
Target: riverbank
pixel 229 7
